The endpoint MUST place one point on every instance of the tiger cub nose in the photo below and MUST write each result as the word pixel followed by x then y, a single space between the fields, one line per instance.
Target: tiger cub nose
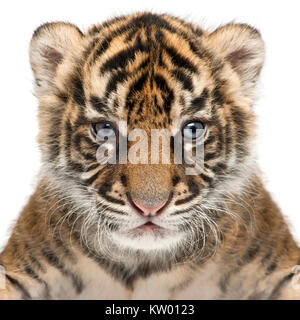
pixel 150 211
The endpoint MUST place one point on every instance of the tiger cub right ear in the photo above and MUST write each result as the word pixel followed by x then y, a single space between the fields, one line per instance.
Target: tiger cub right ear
pixel 50 44
pixel 243 48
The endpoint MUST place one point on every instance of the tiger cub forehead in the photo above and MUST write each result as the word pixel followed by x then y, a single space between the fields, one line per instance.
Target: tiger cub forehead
pixel 151 70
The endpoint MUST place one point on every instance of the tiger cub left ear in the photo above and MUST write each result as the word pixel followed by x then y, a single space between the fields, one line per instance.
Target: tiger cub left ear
pixel 243 47
pixel 50 45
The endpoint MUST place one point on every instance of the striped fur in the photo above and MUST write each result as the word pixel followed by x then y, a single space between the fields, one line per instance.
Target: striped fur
pixel 221 234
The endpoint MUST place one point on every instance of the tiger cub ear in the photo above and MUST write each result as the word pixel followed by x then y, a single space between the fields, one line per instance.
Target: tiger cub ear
pixel 243 47
pixel 50 44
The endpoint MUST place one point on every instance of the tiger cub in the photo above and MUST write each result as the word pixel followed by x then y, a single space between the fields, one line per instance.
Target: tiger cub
pixel 116 213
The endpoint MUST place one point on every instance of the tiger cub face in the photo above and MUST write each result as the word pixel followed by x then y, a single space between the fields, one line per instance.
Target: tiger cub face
pixel 141 73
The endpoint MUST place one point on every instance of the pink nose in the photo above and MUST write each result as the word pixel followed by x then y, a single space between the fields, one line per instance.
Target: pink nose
pixel 150 211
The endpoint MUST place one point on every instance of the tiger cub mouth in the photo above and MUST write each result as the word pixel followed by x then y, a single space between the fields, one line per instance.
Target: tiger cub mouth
pixel 149 226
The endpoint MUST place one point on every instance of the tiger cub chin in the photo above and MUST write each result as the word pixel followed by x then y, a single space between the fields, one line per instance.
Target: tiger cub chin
pixel 119 214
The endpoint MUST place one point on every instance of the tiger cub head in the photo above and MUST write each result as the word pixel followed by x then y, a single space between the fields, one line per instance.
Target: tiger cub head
pixel 114 86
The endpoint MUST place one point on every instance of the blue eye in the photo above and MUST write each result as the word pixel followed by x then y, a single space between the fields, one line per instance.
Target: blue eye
pixel 193 130
pixel 104 130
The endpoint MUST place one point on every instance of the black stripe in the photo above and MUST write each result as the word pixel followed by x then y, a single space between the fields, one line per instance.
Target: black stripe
pixel 268 255
pixel 180 212
pixel 33 260
pixel 62 246
pixel 75 166
pixel 122 58
pixel 275 294
pixel 273 262
pixel 134 23
pixel 131 34
pixel 161 84
pixel 102 47
pixel 134 88
pixel 199 102
pixel 211 139
pixel 78 94
pixel 143 21
pixel 68 135
pixel 92 167
pixel 225 279
pixel 116 211
pixel 219 168
pixel 194 189
pixel 123 180
pixel 62 96
pixel 272 267
pixel 218 98
pixel 115 79
pixel 34 276
pixel 138 85
pixel 142 65
pixel 158 108
pixel 219 142
pixel 120 76
pixel 185 79
pixel 98 104
pixel 81 120
pixel 175 180
pixel 55 133
pixel 206 178
pixel 211 156
pixel 179 60
pixel 98 28
pixel 109 223
pixel 228 138
pixel 54 261
pixel 250 254
pixel 77 138
pixel 149 19
pixel 239 119
pixel 20 287
pixel 103 192
pixel 89 141
pixel 90 180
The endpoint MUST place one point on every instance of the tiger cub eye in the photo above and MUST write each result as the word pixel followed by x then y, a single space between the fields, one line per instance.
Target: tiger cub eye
pixel 193 130
pixel 104 129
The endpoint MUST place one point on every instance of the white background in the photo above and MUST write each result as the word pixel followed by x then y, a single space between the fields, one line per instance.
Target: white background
pixel 277 107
